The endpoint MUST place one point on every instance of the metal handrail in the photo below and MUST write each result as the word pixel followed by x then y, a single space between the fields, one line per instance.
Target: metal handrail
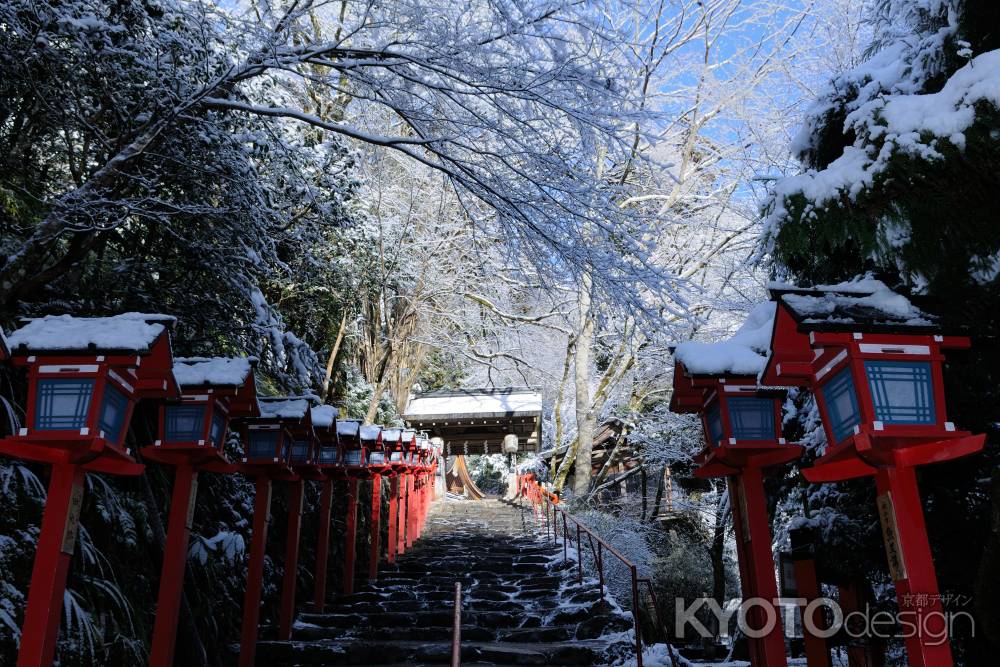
pixel 456 631
pixel 532 490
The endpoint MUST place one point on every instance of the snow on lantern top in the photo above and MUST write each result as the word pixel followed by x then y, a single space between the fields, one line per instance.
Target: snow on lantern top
pixel 348 428
pixel 324 416
pixel 370 433
pixel 214 371
pixel 128 332
pixel 286 407
pixel 745 353
pixel 865 303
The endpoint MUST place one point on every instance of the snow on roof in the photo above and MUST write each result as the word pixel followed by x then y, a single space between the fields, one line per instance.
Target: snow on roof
pixel 409 434
pixel 865 301
pixel 745 353
pixel 227 371
pixel 323 416
pixel 348 428
pixel 284 407
pixel 391 434
pixel 475 402
pixel 133 332
pixel 370 431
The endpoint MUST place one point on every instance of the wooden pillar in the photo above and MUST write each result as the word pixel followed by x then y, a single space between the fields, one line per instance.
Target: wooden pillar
pixel 255 571
pixel 290 580
pixel 350 537
pixel 168 601
pixel 401 514
pixel 56 542
pixel 411 509
pixel 912 567
pixel 753 541
pixel 323 547
pixel 376 527
pixel 807 586
pixel 393 510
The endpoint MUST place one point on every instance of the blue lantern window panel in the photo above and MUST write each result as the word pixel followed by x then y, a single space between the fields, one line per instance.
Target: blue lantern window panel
pixel 329 455
pixel 114 407
pixel 396 456
pixel 62 404
pixel 353 457
pixel 841 404
pixel 300 451
pixel 714 420
pixel 902 391
pixel 376 458
pixel 752 418
pixel 217 433
pixel 263 444
pixel 184 423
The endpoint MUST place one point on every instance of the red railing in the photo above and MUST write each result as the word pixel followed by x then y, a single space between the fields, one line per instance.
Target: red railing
pixel 544 503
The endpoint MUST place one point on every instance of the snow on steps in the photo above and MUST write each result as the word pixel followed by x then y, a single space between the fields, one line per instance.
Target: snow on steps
pixel 521 603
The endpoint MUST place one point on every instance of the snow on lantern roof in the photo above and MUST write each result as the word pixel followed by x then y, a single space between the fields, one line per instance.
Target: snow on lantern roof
pixel 370 431
pixel 285 407
pixel 391 434
pixel 860 304
pixel 745 353
pixel 323 416
pixel 128 332
pixel 348 428
pixel 221 371
pixel 475 402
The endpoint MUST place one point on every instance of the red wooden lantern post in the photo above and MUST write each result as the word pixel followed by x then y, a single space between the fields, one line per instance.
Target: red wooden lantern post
pixel 191 436
pixel 398 459
pixel 85 376
pixel 412 500
pixel 267 448
pixel 391 446
pixel 324 419
pixel 378 465
pixel 873 362
pixel 304 459
pixel 355 460
pixel 743 431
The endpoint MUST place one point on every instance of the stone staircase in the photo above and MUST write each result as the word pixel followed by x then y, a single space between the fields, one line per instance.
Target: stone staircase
pixel 521 605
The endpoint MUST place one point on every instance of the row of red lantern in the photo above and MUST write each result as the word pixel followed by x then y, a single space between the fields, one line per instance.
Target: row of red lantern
pixel 86 377
pixel 874 365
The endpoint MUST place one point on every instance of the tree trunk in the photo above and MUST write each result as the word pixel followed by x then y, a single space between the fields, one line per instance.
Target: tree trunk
pixel 333 355
pixel 584 411
pixel 557 411
pixel 655 511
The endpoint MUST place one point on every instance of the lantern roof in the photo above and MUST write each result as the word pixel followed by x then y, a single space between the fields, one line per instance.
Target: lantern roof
pixel 213 371
pixel 324 416
pixel 128 332
pixel 370 432
pixel 348 428
pixel 743 354
pixel 391 436
pixel 864 305
pixel 286 407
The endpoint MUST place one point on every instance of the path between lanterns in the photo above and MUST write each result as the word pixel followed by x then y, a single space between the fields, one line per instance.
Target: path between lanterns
pixel 521 603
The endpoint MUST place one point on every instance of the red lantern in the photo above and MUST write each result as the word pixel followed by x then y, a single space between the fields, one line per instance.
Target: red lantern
pixel 191 435
pixel 873 363
pixel 279 439
pixel 742 425
pixel 85 376
pixel 193 428
pixel 324 419
pixel 378 465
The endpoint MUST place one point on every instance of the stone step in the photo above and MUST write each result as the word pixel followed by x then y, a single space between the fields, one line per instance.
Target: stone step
pixel 409 652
